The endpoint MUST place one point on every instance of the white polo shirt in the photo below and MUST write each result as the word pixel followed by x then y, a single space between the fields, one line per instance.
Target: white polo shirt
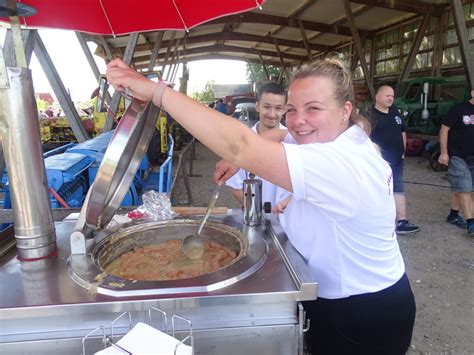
pixel 268 189
pixel 341 216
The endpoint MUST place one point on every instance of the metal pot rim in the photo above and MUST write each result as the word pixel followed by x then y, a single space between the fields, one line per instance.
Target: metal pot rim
pixel 85 270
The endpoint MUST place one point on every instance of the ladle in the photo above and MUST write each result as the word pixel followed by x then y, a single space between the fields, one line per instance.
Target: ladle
pixel 193 245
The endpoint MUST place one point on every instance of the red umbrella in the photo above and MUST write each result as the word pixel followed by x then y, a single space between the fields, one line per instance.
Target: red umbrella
pixel 125 16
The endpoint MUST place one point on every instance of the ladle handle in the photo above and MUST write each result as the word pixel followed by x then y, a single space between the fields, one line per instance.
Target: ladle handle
pixel 212 202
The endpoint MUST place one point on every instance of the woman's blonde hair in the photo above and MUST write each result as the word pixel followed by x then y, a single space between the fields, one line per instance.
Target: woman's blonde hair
pixel 336 70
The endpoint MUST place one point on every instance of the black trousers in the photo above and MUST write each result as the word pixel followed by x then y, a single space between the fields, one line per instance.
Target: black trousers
pixel 379 323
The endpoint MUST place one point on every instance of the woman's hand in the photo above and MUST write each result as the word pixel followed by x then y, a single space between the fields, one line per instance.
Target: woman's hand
pixel 224 170
pixel 123 78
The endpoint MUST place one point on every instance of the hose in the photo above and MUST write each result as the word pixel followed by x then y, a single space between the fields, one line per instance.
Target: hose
pixel 58 198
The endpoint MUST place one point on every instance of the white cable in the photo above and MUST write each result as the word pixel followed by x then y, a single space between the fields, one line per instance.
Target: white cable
pixel 181 17
pixel 107 18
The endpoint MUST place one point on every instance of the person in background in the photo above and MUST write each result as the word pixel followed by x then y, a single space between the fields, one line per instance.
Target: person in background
pixel 341 216
pixel 211 104
pixel 221 107
pixel 456 140
pixel 49 112
pixel 454 216
pixel 42 115
pixel 270 105
pixel 388 132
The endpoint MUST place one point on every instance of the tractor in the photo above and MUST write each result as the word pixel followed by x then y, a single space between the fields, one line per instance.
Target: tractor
pixel 56 131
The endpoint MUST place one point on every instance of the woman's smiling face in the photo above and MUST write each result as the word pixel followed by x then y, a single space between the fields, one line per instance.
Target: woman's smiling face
pixel 313 115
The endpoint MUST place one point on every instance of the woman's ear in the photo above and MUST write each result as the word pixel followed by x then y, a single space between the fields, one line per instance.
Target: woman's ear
pixel 347 110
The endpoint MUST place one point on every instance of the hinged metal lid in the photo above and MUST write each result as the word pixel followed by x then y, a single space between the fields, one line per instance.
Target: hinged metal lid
pixel 120 163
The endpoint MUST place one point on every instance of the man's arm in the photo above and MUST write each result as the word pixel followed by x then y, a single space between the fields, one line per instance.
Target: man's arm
pixel 404 137
pixel 443 145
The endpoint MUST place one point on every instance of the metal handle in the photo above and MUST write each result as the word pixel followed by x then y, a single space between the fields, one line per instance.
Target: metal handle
pixel 212 202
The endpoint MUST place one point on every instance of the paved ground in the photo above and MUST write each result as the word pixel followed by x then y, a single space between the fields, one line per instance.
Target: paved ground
pixel 439 259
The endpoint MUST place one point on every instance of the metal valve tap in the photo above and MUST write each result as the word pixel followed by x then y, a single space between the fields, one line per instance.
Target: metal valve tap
pixel 252 208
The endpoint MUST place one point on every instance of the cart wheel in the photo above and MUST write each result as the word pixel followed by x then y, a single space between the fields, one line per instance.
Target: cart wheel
pixel 414 147
pixel 434 162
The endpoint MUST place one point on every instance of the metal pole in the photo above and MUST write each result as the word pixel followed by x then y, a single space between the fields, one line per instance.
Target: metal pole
pixel 34 228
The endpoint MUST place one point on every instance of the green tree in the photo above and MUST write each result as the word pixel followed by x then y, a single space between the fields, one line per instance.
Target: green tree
pixel 259 73
pixel 207 95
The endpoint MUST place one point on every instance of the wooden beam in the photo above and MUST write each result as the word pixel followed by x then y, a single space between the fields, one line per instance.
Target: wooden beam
pixel 236 36
pixel 463 40
pixel 168 44
pixel 91 61
pixel 416 7
pixel 305 41
pixel 28 38
pixel 18 40
pixel 263 65
pixel 282 62
pixel 174 62
pixel 156 49
pixel 218 56
pixel 355 58
pixel 294 14
pixel 437 60
pixel 373 48
pixel 343 19
pixel 405 73
pixel 224 48
pixel 108 51
pixel 359 48
pixel 254 17
pixel 60 90
pixel 252 74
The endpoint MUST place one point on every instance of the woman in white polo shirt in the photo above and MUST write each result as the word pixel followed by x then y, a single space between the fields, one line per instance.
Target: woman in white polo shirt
pixel 342 211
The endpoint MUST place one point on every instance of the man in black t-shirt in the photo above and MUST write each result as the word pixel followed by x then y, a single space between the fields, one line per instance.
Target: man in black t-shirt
pixel 456 140
pixel 388 131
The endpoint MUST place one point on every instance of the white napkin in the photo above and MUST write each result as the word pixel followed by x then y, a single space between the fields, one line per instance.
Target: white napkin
pixel 144 339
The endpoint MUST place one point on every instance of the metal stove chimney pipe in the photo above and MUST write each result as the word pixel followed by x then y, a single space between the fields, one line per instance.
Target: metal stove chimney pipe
pixel 252 201
pixel 19 130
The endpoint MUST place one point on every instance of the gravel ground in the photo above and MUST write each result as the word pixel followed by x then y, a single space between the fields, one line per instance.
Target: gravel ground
pixel 439 258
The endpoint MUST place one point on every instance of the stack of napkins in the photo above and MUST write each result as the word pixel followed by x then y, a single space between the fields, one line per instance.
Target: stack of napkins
pixel 143 339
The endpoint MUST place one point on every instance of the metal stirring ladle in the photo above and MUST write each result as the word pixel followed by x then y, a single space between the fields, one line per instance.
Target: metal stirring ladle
pixel 193 245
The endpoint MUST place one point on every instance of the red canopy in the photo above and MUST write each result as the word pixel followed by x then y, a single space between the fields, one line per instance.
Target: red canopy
pixel 126 16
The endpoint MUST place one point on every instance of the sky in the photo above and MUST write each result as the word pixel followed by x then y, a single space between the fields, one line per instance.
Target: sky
pixel 75 72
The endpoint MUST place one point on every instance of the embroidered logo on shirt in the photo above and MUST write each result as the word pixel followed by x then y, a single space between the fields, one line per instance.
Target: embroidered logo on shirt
pixel 398 119
pixel 468 119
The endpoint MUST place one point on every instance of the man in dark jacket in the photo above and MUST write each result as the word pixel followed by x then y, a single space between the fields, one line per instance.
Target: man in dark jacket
pixel 388 131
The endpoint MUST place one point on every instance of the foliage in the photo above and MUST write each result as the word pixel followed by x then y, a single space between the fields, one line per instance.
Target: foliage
pixel 85 104
pixel 207 95
pixel 259 73
pixel 42 105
